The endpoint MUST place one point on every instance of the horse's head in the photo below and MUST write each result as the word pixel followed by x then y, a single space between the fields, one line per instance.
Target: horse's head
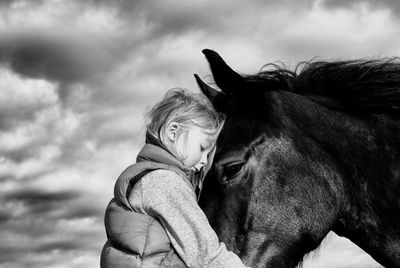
pixel 267 196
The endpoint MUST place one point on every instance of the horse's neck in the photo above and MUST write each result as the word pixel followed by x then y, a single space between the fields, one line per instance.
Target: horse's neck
pixel 364 143
pixel 372 177
pixel 381 243
pixel 368 154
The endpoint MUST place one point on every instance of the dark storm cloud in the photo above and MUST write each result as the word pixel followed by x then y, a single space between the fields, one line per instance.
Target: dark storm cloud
pixel 64 59
pixel 392 5
pixel 6 3
pixel 33 197
pixel 52 206
pixel 47 221
pixel 10 118
pixel 59 245
pixel 48 57
pixel 13 115
pixel 84 212
pixel 68 58
pixel 8 254
pixel 39 203
pixel 4 217
pixel 21 154
pixel 30 254
pixel 219 18
pixel 6 178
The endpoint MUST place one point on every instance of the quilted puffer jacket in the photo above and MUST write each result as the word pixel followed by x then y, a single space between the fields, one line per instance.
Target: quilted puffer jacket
pixel 136 240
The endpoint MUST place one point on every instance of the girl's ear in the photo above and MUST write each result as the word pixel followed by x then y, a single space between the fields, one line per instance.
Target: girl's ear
pixel 172 131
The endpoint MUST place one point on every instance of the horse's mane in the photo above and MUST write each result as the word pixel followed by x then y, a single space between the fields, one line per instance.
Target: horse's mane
pixel 371 86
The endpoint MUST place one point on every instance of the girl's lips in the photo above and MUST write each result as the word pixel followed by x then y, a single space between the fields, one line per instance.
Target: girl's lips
pixel 197 169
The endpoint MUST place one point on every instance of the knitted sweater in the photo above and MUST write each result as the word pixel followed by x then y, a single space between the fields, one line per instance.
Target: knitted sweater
pixel 165 195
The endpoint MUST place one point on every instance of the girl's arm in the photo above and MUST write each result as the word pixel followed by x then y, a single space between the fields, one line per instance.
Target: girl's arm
pixel 172 200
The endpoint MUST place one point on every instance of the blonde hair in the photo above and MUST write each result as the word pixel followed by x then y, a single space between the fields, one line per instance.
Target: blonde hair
pixel 186 109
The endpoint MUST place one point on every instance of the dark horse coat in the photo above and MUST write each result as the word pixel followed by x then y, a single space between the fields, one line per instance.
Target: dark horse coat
pixel 304 153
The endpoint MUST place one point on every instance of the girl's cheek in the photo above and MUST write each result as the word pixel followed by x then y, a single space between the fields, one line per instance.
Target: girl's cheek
pixel 180 149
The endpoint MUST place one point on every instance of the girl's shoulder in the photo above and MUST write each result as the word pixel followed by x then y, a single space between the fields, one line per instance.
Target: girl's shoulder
pixel 165 185
pixel 164 178
pixel 162 173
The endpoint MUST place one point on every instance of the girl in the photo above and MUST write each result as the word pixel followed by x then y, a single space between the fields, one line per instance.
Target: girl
pixel 154 219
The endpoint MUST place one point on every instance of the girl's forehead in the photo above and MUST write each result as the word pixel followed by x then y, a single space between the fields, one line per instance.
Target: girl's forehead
pixel 205 134
pixel 211 138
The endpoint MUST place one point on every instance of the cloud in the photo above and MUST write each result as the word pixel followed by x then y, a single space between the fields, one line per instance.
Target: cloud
pixel 342 34
pixel 391 5
pixel 22 99
pixel 9 3
pixel 4 217
pixel 61 246
pixel 22 204
pixel 79 49
pixel 77 76
pixel 37 146
pixel 55 58
pixel 36 223
pixel 38 201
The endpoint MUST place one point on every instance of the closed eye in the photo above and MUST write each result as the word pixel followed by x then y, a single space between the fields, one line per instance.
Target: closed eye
pixel 205 147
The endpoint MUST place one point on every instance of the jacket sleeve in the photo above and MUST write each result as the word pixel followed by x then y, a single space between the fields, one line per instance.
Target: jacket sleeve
pixel 172 200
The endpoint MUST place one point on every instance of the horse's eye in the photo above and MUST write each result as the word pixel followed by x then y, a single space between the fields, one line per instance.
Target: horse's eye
pixel 231 171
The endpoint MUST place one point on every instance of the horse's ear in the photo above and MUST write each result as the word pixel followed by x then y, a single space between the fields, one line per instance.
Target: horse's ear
pixel 216 97
pixel 226 79
pixel 210 92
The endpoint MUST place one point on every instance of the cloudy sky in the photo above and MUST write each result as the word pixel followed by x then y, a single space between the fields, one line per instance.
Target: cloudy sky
pixel 77 76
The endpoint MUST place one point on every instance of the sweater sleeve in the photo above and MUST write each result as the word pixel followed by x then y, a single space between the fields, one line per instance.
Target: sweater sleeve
pixel 172 200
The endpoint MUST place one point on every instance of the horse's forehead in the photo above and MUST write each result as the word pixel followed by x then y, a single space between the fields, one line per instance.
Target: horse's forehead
pixel 240 131
pixel 280 144
pixel 274 150
pixel 262 147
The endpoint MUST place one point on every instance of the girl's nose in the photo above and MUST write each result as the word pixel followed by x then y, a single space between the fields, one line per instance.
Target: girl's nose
pixel 203 159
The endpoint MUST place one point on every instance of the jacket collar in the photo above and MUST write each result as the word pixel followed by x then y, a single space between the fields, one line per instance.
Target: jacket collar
pixel 154 153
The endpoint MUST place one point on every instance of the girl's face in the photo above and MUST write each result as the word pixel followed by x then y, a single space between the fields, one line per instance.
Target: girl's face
pixel 194 145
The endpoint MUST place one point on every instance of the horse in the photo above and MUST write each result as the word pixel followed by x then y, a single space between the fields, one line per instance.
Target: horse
pixel 303 153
